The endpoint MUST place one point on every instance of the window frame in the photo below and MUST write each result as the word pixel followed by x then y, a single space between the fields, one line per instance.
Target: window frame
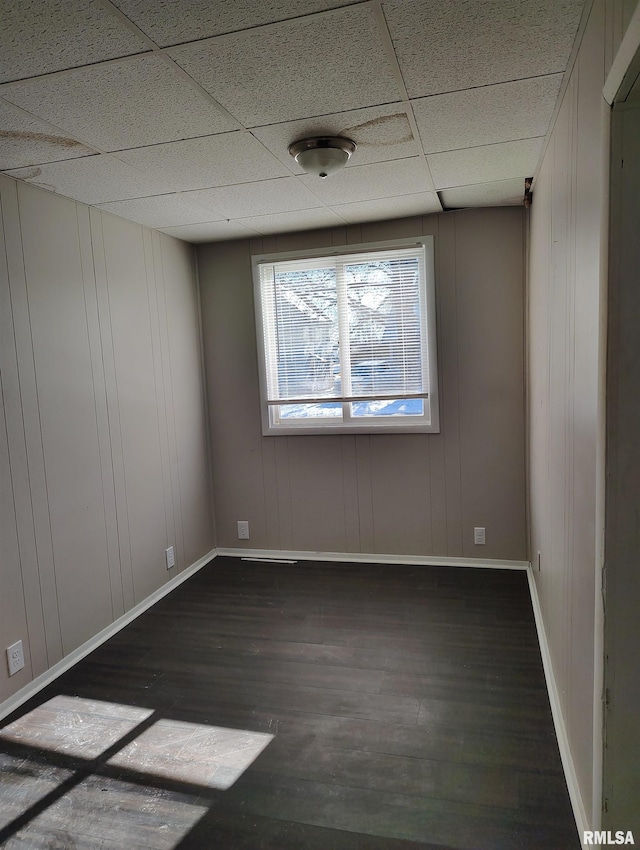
pixel 422 424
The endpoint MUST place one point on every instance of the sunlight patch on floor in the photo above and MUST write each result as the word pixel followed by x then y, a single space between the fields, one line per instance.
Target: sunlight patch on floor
pixel 190 752
pixel 111 814
pixel 77 806
pixel 75 726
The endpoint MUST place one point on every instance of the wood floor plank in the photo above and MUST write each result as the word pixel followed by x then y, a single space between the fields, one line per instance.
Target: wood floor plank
pixel 221 828
pixel 405 709
pixel 314 760
pixel 445 742
pixel 393 815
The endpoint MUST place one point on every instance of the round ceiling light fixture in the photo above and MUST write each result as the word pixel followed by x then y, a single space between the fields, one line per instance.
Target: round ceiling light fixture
pixel 322 155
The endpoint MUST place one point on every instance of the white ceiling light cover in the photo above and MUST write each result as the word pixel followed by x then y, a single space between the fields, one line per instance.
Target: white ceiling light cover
pixel 322 155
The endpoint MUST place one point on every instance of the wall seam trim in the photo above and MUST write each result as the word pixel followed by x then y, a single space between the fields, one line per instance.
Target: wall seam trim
pixel 153 310
pixel 195 261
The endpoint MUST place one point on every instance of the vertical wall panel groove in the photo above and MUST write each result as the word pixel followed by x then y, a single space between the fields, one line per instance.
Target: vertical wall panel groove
pixel 350 492
pixel 283 492
pixel 39 508
pixel 134 366
pixel 185 398
pixel 113 407
pixel 13 622
pixel 18 615
pixel 153 274
pixel 269 485
pixel 165 410
pixel 12 414
pixel 100 407
pixel 365 495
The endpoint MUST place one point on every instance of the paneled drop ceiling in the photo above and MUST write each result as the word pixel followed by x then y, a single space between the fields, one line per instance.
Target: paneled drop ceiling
pixel 178 113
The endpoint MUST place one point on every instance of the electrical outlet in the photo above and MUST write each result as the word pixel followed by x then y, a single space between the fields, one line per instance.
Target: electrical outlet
pixel 171 557
pixel 15 657
pixel 479 537
pixel 243 529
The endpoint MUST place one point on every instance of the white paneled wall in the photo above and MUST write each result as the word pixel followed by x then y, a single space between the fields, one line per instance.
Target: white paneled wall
pixel 566 297
pixel 103 446
pixel 414 494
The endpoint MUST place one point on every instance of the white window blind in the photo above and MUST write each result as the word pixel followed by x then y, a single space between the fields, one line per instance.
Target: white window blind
pixel 346 341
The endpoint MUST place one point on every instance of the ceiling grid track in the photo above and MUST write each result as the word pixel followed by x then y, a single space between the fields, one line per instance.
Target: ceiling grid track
pixel 182 123
pixel 162 53
pixel 392 59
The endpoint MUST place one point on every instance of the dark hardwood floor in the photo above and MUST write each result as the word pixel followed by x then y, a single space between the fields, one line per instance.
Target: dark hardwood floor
pixel 397 708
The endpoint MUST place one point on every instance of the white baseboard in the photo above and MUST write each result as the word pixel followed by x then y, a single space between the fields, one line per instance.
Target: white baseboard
pixel 44 679
pixel 365 558
pixel 50 675
pixel 577 803
pixel 68 661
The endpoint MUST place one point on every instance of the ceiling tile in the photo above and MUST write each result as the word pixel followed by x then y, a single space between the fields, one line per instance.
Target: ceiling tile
pixel 421 203
pixel 206 162
pixel 483 78
pixel 368 182
pixel 92 179
pixel 40 36
pixel 463 43
pixel 126 104
pixel 381 133
pixel 202 18
pixel 485 164
pixel 292 221
pixel 212 231
pixel 484 116
pixel 283 194
pixel 161 211
pixel 500 193
pixel 24 140
pixel 315 65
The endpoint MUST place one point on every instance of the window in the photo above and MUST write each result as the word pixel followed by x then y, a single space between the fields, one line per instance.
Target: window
pixel 347 340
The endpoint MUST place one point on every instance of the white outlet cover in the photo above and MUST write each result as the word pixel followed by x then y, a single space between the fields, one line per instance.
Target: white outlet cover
pixel 479 536
pixel 15 657
pixel 243 529
pixel 171 557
